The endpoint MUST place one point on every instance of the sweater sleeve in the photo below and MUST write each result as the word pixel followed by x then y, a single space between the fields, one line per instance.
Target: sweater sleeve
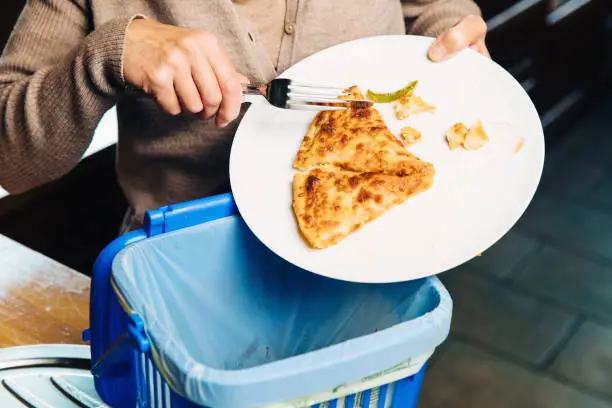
pixel 57 79
pixel 432 17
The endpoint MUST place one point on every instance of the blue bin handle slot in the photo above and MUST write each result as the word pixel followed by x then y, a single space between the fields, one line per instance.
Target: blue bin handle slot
pixel 133 336
pixel 177 216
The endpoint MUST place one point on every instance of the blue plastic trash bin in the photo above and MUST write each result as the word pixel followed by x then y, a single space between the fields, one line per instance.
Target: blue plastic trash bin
pixel 192 310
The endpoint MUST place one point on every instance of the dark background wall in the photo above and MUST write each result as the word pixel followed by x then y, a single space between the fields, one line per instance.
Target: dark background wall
pixel 558 49
pixel 9 11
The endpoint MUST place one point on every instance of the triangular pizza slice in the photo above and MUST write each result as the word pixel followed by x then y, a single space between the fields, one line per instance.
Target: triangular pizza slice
pixel 356 139
pixel 330 204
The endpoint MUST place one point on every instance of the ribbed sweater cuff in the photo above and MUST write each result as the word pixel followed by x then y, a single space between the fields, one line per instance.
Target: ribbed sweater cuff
pixel 104 52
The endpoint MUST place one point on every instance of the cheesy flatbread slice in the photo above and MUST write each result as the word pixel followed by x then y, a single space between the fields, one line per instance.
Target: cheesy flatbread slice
pixel 356 139
pixel 353 93
pixel 331 204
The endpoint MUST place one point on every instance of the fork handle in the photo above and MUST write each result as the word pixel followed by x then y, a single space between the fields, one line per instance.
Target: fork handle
pixel 252 94
pixel 253 98
pixel 253 89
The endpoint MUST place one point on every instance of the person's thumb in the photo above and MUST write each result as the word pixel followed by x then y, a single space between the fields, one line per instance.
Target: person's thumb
pixel 467 32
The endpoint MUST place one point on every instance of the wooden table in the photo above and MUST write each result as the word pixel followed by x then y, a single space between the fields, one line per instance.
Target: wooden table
pixel 41 301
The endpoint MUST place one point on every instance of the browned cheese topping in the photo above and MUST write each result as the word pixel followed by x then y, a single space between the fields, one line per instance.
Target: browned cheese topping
pixel 353 169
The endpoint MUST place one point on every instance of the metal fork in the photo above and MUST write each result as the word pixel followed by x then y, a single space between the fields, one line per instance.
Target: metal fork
pixel 288 94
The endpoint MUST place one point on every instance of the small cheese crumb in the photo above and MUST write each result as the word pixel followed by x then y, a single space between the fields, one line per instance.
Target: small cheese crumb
pixel 456 135
pixel 402 108
pixel 410 135
pixel 418 105
pixel 476 137
pixel 411 105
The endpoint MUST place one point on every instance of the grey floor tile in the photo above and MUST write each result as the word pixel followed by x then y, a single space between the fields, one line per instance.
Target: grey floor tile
pixel 501 258
pixel 590 138
pixel 466 377
pixel 587 359
pixel 510 322
pixel 570 279
pixel 572 224
pixel 597 147
pixel 572 178
pixel 602 196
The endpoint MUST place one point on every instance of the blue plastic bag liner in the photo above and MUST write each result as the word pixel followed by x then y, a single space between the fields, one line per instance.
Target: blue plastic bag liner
pixel 233 325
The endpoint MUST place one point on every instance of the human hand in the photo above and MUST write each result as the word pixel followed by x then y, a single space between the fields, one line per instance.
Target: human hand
pixel 470 32
pixel 184 69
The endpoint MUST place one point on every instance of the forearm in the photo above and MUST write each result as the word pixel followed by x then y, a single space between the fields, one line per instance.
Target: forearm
pixel 432 17
pixel 52 100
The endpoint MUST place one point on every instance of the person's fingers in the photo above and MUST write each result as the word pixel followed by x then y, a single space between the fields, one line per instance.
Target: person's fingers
pixel 203 77
pixel 207 85
pixel 481 48
pixel 229 85
pixel 180 61
pixel 231 103
pixel 467 32
pixel 187 92
pixel 161 86
pixel 184 69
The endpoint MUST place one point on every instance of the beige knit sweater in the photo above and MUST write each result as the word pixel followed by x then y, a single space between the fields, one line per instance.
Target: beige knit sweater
pixel 62 70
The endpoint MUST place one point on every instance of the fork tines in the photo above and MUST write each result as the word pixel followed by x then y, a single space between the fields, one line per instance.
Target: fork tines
pixel 302 95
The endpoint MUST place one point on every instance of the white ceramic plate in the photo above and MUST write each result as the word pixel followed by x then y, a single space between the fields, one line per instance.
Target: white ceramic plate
pixel 477 195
